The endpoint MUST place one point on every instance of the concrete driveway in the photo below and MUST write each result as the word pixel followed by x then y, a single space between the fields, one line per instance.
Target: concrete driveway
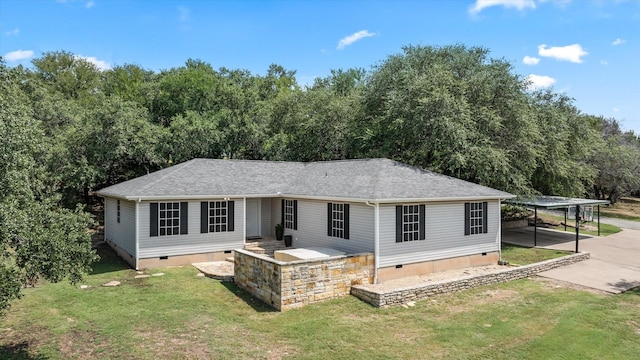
pixel 614 265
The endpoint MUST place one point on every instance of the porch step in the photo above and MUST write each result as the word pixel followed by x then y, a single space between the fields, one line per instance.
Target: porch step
pixel 265 247
pixel 230 259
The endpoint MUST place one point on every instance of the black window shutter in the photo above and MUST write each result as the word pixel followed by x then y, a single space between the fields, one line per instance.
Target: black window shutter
pixel 467 220
pixel 329 213
pixel 346 221
pixel 282 202
pixel 484 217
pixel 230 218
pixel 153 223
pixel 184 218
pixel 398 223
pixel 421 223
pixel 295 214
pixel 204 217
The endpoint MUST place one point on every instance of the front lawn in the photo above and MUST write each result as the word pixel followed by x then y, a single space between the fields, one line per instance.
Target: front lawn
pixel 182 316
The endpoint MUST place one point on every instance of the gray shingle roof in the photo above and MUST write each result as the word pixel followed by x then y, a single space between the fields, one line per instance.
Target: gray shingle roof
pixel 366 179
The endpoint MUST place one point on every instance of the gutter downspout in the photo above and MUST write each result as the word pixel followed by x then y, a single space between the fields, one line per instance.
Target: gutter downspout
pixel 137 233
pixel 244 221
pixel 376 239
pixel 500 230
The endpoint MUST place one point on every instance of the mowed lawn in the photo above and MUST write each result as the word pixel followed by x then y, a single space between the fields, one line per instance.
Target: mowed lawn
pixel 182 316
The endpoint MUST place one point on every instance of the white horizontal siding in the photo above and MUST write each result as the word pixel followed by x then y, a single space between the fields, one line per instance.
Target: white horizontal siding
pixel 194 242
pixel 123 234
pixel 276 212
pixel 312 227
pixel 267 227
pixel 445 236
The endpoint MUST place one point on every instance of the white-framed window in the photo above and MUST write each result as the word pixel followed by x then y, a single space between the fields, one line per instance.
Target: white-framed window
pixel 118 211
pixel 338 220
pixel 218 216
pixel 410 222
pixel 289 214
pixel 168 218
pixel 475 218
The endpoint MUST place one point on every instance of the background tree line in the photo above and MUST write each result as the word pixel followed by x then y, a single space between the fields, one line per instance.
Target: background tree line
pixel 68 129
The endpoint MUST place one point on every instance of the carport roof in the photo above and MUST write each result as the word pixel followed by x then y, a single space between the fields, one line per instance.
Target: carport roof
pixel 553 202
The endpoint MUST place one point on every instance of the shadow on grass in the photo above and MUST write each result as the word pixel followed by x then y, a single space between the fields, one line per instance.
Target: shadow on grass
pixel 109 261
pixel 634 291
pixel 632 287
pixel 252 301
pixel 18 351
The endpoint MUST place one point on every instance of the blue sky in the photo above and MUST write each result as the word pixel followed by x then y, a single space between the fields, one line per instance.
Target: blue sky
pixel 589 50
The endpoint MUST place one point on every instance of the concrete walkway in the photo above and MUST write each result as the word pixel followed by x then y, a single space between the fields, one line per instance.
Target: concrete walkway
pixel 614 265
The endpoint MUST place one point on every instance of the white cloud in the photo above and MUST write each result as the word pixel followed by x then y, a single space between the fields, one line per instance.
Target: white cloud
pixel 618 41
pixel 18 55
pixel 90 4
pixel 540 81
pixel 15 31
pixel 530 60
pixel 100 64
pixel 615 109
pixel 558 3
pixel 185 14
pixel 348 40
pixel 604 62
pixel 517 4
pixel 572 53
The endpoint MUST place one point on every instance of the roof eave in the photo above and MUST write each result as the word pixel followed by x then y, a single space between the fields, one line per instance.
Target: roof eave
pixel 309 197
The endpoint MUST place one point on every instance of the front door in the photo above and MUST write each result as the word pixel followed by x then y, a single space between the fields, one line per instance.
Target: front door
pixel 253 218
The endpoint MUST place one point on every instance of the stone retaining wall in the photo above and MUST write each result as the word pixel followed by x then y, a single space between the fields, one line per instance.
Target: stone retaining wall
pixel 288 285
pixel 512 224
pixel 403 295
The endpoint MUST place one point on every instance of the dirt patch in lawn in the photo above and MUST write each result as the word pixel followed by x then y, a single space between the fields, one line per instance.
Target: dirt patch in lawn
pixel 81 344
pixel 18 345
pixel 486 297
pixel 559 284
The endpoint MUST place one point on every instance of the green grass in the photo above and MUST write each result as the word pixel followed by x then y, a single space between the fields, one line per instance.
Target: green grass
pixel 521 255
pixel 605 229
pixel 181 316
pixel 619 216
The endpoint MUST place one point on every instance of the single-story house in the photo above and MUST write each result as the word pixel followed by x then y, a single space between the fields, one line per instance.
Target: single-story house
pixel 414 221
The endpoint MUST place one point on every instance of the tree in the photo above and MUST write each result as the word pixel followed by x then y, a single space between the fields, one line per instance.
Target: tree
pixel 38 238
pixel 567 145
pixel 453 110
pixel 68 74
pixel 617 162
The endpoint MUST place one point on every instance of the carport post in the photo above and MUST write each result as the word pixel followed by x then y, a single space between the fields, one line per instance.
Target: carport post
pixel 577 225
pixel 565 219
pixel 535 227
pixel 598 220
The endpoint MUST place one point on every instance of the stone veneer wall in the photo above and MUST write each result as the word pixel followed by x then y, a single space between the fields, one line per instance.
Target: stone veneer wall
pixel 288 285
pixel 402 296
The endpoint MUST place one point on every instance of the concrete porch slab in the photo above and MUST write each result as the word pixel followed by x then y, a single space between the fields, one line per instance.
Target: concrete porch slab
pixel 306 253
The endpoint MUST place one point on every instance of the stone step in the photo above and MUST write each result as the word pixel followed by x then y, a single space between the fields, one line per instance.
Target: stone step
pixel 230 259
pixel 265 247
